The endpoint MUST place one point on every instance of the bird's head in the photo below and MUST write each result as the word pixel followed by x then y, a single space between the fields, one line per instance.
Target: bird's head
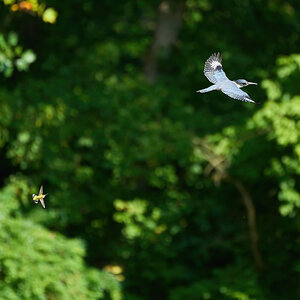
pixel 33 195
pixel 242 82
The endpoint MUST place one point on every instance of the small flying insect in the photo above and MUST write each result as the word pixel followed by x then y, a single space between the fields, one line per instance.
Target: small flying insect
pixel 40 197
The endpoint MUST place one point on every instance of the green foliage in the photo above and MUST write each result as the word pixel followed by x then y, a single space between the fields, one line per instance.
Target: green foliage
pixel 149 176
pixel 223 285
pixel 33 7
pixel 13 56
pixel 36 263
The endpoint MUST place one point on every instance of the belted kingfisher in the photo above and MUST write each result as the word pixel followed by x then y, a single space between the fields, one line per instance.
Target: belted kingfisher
pixel 214 72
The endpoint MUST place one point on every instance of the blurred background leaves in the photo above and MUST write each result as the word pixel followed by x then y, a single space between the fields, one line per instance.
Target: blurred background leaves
pixel 154 191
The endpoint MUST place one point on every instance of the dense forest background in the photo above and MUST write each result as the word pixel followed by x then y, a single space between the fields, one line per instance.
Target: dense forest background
pixel 155 191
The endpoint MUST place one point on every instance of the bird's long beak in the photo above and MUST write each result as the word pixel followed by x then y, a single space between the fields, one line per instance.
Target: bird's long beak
pixel 253 83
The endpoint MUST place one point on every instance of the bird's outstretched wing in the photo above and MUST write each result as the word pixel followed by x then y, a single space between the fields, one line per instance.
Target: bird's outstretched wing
pixel 41 190
pixel 234 92
pixel 213 69
pixel 43 203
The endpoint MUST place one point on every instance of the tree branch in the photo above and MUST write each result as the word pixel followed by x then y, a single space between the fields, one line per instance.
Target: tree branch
pixel 217 169
pixel 251 216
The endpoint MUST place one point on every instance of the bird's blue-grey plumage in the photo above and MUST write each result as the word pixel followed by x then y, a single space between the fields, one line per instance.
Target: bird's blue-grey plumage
pixel 213 70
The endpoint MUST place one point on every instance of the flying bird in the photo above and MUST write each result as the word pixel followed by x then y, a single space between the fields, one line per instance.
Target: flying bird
pixel 213 71
pixel 40 197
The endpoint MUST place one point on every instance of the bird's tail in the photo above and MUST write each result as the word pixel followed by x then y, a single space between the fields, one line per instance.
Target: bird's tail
pixel 248 99
pixel 209 89
pixel 44 195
